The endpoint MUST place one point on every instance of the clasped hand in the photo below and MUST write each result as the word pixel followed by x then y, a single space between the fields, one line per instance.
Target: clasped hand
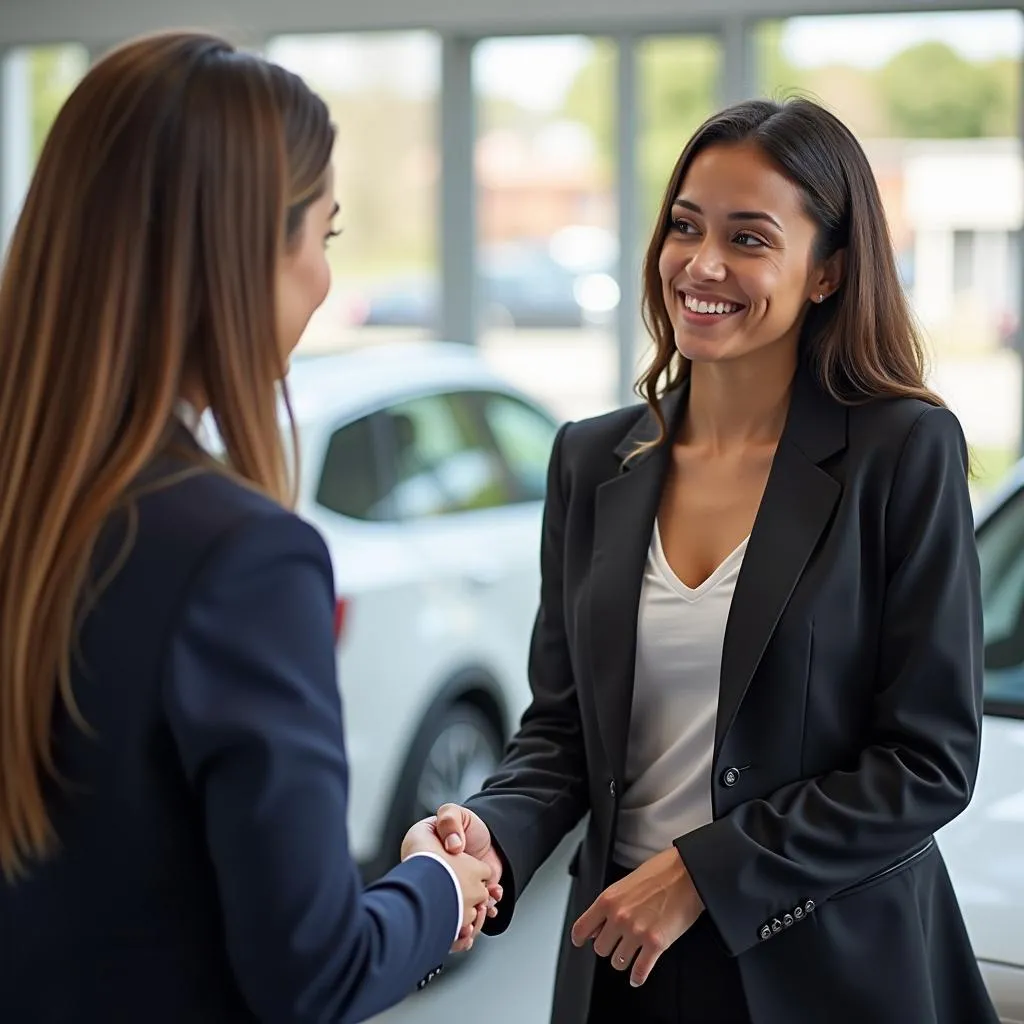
pixel 464 841
pixel 635 920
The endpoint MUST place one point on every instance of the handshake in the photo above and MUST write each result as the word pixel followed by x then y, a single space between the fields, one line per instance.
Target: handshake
pixel 463 840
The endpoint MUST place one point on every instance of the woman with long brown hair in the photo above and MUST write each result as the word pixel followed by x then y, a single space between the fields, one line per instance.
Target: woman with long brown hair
pixel 757 661
pixel 173 781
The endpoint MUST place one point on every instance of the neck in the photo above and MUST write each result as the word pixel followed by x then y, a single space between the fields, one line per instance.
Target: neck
pixel 739 403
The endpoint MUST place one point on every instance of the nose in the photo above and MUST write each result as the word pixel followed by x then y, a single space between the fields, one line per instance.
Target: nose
pixel 707 263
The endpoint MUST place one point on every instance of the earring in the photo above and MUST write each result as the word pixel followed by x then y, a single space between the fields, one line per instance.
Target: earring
pixel 821 297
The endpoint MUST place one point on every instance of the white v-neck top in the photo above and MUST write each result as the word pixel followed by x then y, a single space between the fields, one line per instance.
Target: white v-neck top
pixel 680 636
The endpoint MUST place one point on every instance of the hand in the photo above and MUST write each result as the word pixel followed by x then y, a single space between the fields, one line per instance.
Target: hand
pixel 641 915
pixel 472 873
pixel 460 829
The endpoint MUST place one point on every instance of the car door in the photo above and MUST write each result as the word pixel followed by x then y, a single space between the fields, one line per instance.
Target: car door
pixel 984 847
pixel 377 575
pixel 473 510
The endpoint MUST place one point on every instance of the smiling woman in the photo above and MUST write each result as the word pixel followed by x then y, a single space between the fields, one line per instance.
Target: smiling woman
pixel 757 661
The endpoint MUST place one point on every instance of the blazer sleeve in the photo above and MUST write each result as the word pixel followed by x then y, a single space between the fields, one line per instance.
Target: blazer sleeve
pixel 539 792
pixel 251 698
pixel 811 839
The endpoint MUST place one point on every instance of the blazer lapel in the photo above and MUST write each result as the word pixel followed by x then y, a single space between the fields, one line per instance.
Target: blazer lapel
pixel 624 511
pixel 798 502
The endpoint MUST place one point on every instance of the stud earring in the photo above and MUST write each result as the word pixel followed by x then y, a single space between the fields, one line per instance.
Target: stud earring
pixel 821 297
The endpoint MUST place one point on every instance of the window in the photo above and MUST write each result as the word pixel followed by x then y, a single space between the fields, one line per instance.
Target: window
pixel 524 437
pixel 963 261
pixel 934 97
pixel 382 92
pixel 1001 550
pixel 547 216
pixel 443 460
pixel 350 482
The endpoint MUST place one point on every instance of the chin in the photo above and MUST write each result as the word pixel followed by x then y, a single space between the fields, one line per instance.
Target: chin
pixel 703 350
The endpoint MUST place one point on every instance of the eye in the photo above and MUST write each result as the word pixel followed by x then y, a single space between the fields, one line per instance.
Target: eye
pixel 749 241
pixel 684 227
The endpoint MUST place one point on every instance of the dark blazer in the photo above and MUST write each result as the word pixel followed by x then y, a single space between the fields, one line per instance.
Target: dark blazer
pixel 848 719
pixel 204 875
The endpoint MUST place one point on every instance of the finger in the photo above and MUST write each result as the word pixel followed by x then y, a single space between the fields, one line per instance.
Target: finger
pixel 587 925
pixel 481 917
pixel 495 891
pixel 451 827
pixel 643 965
pixel 608 939
pixel 623 955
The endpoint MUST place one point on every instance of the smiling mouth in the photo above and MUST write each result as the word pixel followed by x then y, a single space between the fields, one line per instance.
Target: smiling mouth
pixel 709 309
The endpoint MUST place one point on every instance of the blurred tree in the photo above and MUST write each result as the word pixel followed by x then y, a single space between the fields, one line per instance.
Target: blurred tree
pixel 53 73
pixel 591 101
pixel 678 88
pixel 930 91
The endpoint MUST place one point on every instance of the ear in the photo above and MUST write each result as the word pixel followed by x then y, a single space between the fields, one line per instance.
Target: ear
pixel 828 277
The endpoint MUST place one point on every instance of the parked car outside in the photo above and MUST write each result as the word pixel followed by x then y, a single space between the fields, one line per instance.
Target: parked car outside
pixel 425 472
pixel 984 847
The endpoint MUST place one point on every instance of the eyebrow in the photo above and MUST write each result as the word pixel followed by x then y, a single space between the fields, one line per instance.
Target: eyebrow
pixel 735 215
pixel 335 210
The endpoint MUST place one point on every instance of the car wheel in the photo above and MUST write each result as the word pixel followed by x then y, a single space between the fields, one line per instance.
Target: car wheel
pixel 457 747
pixel 463 751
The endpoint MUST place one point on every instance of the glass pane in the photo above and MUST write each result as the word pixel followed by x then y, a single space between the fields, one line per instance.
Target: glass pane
pixel 53 72
pixel 547 216
pixel 350 481
pixel 679 87
pixel 524 437
pixel 382 92
pixel 1001 550
pixel 444 462
pixel 934 98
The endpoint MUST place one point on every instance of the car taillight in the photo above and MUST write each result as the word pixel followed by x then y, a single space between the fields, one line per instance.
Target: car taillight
pixel 340 610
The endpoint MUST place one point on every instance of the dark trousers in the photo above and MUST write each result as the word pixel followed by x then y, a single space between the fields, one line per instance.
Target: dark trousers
pixel 694 982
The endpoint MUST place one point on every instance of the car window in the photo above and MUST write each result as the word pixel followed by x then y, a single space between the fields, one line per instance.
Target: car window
pixel 443 460
pixel 1001 551
pixel 524 436
pixel 350 478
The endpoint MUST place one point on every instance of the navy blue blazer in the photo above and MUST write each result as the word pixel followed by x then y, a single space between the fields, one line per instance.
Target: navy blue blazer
pixel 205 874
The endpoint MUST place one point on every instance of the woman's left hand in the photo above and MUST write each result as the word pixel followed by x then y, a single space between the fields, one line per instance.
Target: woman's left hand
pixel 641 915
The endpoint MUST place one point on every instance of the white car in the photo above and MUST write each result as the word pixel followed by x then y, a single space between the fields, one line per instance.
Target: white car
pixel 984 847
pixel 425 473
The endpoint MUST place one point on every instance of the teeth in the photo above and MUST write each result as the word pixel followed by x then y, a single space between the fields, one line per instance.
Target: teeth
pixel 701 306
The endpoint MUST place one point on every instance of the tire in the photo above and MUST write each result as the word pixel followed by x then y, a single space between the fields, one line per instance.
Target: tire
pixel 457 747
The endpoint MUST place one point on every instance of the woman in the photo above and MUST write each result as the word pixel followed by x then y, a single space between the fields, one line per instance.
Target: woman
pixel 173 782
pixel 757 661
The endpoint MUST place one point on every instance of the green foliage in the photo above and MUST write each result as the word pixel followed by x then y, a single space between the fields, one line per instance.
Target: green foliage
pixel 930 91
pixel 53 73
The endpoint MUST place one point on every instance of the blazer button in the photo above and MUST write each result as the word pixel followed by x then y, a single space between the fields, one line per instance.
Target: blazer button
pixel 611 788
pixel 809 907
pixel 730 777
pixel 776 926
pixel 798 913
pixel 766 933
pixel 787 920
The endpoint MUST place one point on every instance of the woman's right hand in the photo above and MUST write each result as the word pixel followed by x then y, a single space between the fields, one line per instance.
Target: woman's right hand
pixel 463 832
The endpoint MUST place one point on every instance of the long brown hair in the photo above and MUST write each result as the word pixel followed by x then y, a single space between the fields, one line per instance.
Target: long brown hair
pixel 862 342
pixel 144 262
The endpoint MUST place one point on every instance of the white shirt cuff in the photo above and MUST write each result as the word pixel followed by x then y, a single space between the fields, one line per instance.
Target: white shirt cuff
pixel 455 881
